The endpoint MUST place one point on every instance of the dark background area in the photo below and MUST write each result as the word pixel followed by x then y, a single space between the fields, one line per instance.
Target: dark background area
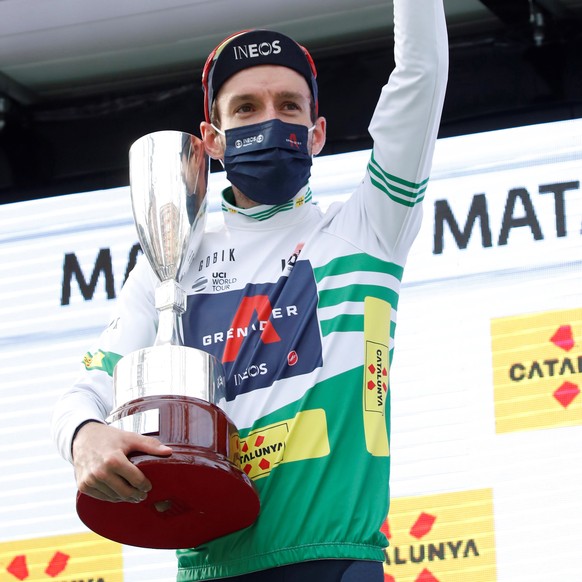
pixel 523 66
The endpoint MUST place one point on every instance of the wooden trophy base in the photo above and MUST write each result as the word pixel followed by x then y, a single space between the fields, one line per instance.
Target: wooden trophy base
pixel 198 493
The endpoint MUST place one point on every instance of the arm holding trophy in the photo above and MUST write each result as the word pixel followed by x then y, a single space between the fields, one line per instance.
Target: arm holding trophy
pixel 163 393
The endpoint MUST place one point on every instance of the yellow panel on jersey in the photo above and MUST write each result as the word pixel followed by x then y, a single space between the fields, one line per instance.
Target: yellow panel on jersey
pixel 376 372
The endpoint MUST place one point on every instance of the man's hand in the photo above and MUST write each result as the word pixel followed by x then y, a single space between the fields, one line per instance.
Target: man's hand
pixel 102 469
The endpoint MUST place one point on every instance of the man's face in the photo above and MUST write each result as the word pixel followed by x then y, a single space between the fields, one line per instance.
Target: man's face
pixel 258 94
pixel 261 93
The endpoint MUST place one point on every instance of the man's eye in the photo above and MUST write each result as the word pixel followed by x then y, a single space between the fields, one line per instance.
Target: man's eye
pixel 291 106
pixel 246 108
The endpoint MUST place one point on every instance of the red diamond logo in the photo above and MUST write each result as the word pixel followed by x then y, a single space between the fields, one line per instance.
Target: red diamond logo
pixel 247 468
pixel 384 372
pixel 264 464
pixel 18 568
pixel 245 448
pixel 372 369
pixel 566 393
pixel 260 440
pixel 371 385
pixel 564 338
pixel 422 525
pixel 385 529
pixel 426 576
pixel 57 564
pixel 384 387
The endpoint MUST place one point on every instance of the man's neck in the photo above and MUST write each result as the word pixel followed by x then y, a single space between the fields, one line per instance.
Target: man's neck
pixel 242 201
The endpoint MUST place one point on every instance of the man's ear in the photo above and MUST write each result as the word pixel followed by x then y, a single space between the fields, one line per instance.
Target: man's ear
pixel 213 142
pixel 319 134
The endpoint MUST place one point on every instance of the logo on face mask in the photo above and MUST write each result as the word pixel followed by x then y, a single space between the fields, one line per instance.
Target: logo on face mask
pixel 293 141
pixel 269 162
pixel 247 141
pixel 252 51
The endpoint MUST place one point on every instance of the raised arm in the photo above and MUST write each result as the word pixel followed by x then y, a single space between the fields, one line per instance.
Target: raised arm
pixel 404 129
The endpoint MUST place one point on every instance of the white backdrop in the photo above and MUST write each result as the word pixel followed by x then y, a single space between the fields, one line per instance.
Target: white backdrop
pixel 491 466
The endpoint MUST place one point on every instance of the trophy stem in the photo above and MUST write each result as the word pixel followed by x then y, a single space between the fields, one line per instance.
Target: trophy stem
pixel 171 302
pixel 169 329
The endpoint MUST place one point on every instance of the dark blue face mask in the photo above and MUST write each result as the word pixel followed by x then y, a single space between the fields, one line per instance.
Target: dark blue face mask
pixel 268 162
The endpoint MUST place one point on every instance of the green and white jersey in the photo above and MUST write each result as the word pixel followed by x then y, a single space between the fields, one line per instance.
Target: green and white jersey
pixel 301 308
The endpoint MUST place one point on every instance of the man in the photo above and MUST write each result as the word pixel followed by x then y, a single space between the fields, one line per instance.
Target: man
pixel 305 325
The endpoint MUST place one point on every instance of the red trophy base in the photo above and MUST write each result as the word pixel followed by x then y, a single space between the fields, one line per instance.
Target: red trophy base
pixel 198 493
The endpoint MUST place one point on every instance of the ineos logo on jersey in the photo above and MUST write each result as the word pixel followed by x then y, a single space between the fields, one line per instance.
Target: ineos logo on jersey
pixel 251 372
pixel 252 51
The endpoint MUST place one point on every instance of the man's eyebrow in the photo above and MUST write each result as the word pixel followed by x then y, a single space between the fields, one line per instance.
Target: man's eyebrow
pixel 241 97
pixel 237 98
pixel 291 95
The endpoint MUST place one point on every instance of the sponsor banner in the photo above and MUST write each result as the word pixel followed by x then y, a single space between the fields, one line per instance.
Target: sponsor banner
pixel 264 449
pixel 537 362
pixel 83 557
pixel 508 199
pixel 500 238
pixel 441 538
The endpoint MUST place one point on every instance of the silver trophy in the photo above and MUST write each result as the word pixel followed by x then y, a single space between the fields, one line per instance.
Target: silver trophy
pixel 168 390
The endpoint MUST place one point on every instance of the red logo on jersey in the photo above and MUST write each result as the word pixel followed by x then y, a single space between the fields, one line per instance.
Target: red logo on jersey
pixel 242 319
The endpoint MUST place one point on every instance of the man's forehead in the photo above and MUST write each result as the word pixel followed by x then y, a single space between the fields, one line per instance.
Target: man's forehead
pixel 272 79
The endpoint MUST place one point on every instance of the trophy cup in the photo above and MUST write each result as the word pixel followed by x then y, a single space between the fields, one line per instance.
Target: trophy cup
pixel 168 390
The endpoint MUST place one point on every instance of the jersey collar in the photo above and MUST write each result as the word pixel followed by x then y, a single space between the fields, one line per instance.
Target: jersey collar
pixel 266 211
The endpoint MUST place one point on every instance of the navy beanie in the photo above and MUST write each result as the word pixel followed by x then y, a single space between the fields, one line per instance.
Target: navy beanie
pixel 251 48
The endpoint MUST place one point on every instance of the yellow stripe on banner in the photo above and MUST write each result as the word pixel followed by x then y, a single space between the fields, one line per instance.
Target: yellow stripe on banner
pixel 537 370
pixel 376 373
pixel 83 556
pixel 447 537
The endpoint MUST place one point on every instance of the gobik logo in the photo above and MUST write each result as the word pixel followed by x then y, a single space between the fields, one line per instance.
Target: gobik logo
pixel 263 333
pixel 537 370
pixel 441 538
pixel 79 558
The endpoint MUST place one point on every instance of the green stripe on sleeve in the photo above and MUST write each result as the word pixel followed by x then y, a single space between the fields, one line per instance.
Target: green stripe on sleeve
pixel 356 293
pixel 358 262
pixel 391 185
pixel 347 323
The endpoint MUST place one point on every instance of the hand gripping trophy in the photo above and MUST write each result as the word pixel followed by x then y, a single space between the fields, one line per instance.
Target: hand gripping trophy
pixel 168 390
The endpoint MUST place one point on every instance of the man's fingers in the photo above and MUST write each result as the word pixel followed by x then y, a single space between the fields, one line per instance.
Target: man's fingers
pixel 102 466
pixel 111 485
pixel 134 478
pixel 101 492
pixel 136 443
